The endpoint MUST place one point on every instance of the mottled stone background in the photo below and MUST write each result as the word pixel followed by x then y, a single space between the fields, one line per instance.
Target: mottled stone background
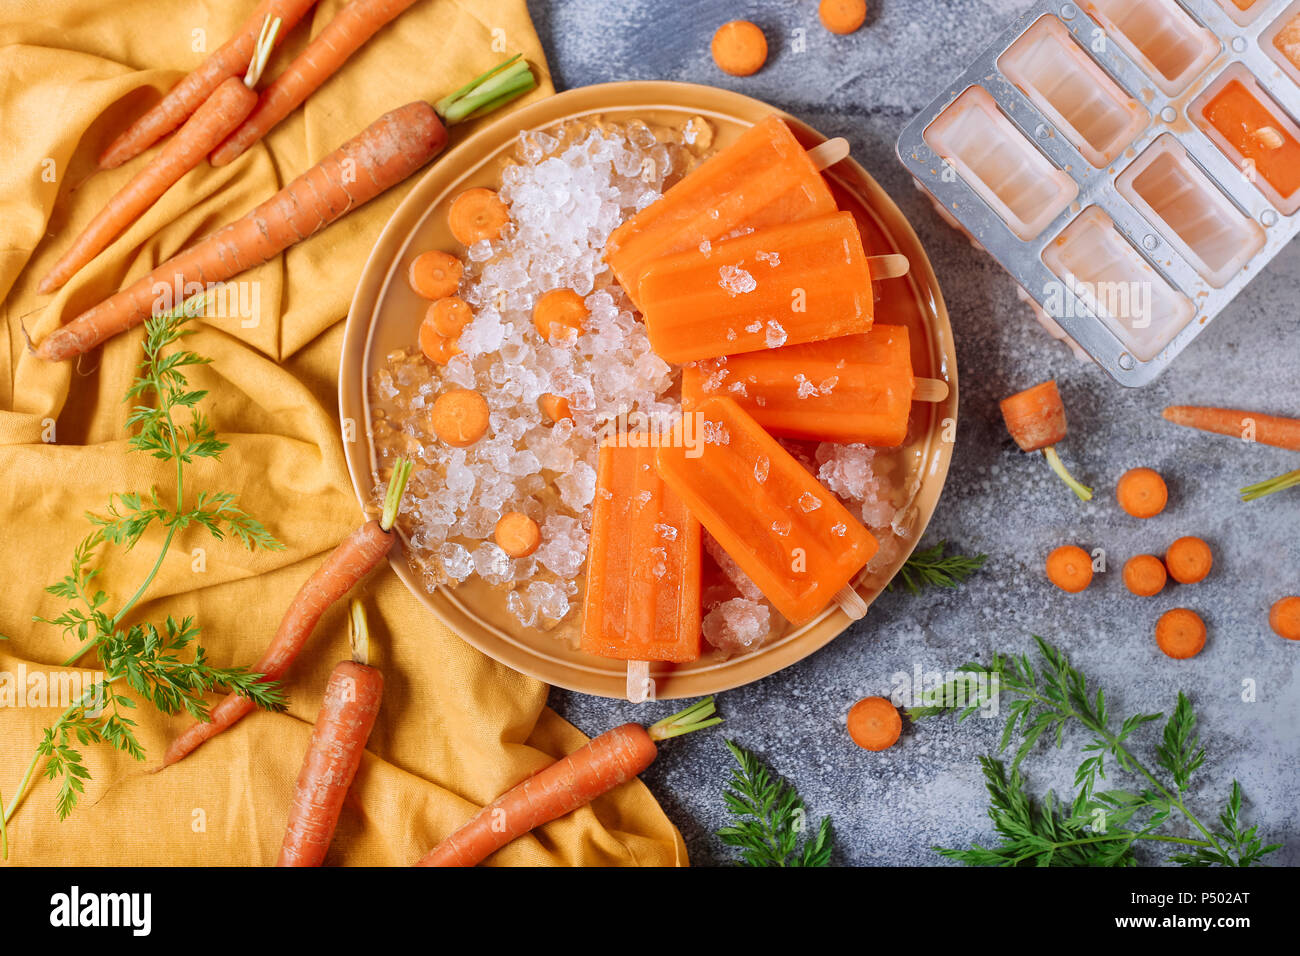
pixel 891 808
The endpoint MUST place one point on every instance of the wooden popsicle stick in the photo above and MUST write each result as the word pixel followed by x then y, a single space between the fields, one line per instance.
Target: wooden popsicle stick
pixel 638 681
pixel 888 267
pixel 929 390
pixel 829 153
pixel 851 603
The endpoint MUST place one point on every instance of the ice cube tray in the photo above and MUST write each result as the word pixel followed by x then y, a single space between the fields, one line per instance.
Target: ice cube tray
pixel 1085 150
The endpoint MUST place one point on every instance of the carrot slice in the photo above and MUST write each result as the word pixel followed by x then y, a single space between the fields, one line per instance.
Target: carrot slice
pixel 1189 560
pixel 1142 492
pixel 449 315
pixel 435 274
pixel 477 214
pixel 1144 575
pixel 874 724
pixel 842 16
pixel 1180 633
pixel 560 315
pixel 517 534
pixel 437 348
pixel 739 48
pixel 460 417
pixel 1284 618
pixel 555 407
pixel 1069 567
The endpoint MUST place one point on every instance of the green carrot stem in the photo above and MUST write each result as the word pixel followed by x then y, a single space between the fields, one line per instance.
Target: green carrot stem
pixel 396 487
pixel 493 89
pixel 1262 488
pixel 445 103
pixel 1078 487
pixel 695 717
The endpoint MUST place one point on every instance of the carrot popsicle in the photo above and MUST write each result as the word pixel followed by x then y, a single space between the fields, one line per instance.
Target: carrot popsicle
pixel 781 286
pixel 764 178
pixel 856 388
pixel 643 564
pixel 794 539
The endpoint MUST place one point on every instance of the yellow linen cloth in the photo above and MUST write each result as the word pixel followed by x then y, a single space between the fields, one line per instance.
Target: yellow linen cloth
pixel 456 728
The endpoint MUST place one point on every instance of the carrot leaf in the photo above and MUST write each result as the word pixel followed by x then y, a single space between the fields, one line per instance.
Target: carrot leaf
pixel 770 824
pixel 932 567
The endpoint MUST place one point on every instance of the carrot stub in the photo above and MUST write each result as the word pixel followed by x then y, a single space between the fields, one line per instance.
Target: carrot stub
pixel 1284 618
pixel 1036 420
pixel 1069 567
pixel 435 274
pixel 842 16
pixel 1189 560
pixel 460 417
pixel 560 315
pixel 555 407
pixel 604 763
pixel 739 48
pixel 517 534
pixel 1144 575
pixel 1180 633
pixel 874 723
pixel 1142 492
pixel 477 214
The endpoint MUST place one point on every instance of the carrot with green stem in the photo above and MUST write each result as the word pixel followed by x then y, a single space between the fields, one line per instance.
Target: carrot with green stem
pixel 232 59
pixel 322 58
pixel 1036 420
pixel 358 554
pixel 592 770
pixel 382 155
pixel 338 741
pixel 220 113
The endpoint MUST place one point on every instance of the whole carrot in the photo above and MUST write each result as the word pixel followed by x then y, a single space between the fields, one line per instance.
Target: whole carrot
pixel 613 758
pixel 354 558
pixel 230 60
pixel 1265 429
pixel 384 154
pixel 327 52
pixel 220 113
pixel 347 715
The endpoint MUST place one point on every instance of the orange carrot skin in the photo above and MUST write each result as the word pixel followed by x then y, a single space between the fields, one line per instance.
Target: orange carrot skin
pixel 355 557
pixel 232 59
pixel 346 33
pixel 343 726
pixel 613 758
pixel 1269 429
pixel 220 113
pixel 385 153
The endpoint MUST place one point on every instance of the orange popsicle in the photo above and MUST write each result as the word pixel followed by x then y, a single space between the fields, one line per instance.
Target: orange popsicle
pixel 762 179
pixel 1254 132
pixel 857 388
pixel 793 538
pixel 801 282
pixel 643 564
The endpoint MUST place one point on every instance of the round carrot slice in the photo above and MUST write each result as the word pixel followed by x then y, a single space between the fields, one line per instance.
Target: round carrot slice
pixel 1142 492
pixel 555 407
pixel 477 214
pixel 560 314
pixel 435 274
pixel 436 348
pixel 449 315
pixel 1189 560
pixel 739 48
pixel 460 417
pixel 874 723
pixel 517 534
pixel 842 16
pixel 1144 575
pixel 1069 567
pixel 1284 618
pixel 1180 633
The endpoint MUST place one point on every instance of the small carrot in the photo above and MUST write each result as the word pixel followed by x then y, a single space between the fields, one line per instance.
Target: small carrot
pixel 874 723
pixel 560 315
pixel 1069 567
pixel 320 59
pixel 449 315
pixel 1248 426
pixel 1144 575
pixel 218 115
pixel 1284 618
pixel 842 16
pixel 477 214
pixel 435 274
pixel 555 407
pixel 517 534
pixel 604 763
pixel 459 417
pixel 1142 492
pixel 355 557
pixel 1036 420
pixel 1180 633
pixel 1189 560
pixel 739 48
pixel 338 741
pixel 230 60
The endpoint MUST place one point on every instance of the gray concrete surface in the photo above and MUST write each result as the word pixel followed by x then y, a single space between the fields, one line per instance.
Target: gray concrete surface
pixel 890 808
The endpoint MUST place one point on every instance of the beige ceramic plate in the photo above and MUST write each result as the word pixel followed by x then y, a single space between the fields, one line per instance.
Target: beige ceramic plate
pixel 385 315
